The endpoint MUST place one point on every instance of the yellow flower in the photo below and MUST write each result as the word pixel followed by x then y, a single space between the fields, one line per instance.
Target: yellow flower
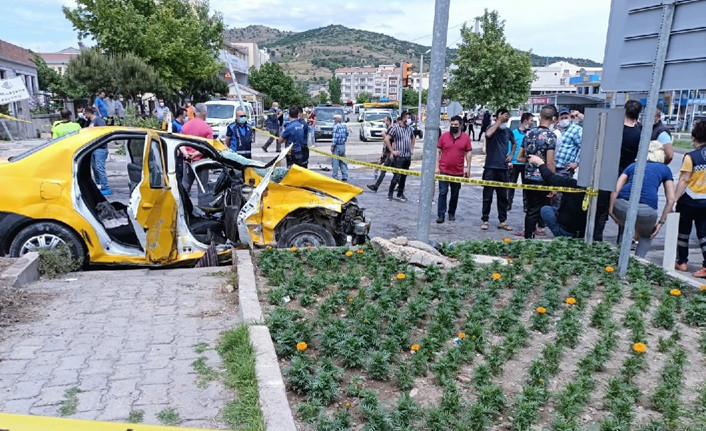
pixel 301 346
pixel 639 348
pixel 360 251
pixel 348 405
pixel 269 247
pixel 462 335
pixel 571 300
pixel 541 380
pixel 349 253
pixel 309 247
pixel 415 347
pixel 506 240
pixel 675 292
pixel 293 249
pixel 541 310
pixel 350 299
pixel 401 276
pixel 508 260
pixel 496 276
pixel 609 269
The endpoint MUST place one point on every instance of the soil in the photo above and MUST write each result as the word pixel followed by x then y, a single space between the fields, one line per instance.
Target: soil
pixel 17 305
pixel 426 391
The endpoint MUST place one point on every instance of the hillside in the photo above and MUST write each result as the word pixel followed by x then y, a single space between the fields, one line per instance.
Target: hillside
pixel 538 61
pixel 313 55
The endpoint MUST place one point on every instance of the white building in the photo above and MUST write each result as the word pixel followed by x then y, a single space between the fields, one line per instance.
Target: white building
pixel 556 78
pixel 380 82
pixel 254 55
pixel 59 61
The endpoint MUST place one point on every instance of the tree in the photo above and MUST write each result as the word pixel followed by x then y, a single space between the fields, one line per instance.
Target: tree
pixel 271 80
pixel 48 79
pixel 323 97
pixel 178 38
pixel 490 71
pixel 410 97
pixel 363 98
pixel 334 89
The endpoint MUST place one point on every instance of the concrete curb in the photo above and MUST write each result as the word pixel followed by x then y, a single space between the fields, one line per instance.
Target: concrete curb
pixel 25 270
pixel 273 396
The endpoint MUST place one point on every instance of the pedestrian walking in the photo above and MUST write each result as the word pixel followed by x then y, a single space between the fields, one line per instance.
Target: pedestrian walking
pixel 195 127
pixel 400 142
pixel 540 141
pixel 691 204
pixel 119 110
pixel 296 135
pixel 485 123
pixel 64 126
pixel 518 168
pixel 453 151
pixel 239 135
pixel 99 155
pixel 311 122
pixel 272 123
pixel 384 158
pixel 338 147
pixel 497 159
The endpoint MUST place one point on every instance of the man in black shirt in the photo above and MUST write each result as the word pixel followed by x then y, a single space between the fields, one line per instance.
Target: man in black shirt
pixel 497 161
pixel 631 135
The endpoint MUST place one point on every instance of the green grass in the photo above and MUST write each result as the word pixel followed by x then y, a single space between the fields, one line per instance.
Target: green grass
pixel 136 416
pixel 200 347
pixel 169 416
pixel 683 143
pixel 206 373
pixel 238 356
pixel 70 403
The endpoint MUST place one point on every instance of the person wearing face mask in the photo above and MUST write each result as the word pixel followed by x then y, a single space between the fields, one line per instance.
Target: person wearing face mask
pixel 239 135
pixel 569 146
pixel 400 135
pixel 119 110
pixel 160 110
pixel 178 121
pixel 110 107
pixel 497 161
pixel 453 151
pixel 384 158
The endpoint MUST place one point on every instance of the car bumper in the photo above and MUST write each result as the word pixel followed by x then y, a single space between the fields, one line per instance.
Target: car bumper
pixel 373 134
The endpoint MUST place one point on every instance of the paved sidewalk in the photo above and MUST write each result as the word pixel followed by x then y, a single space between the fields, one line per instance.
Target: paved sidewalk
pixel 126 340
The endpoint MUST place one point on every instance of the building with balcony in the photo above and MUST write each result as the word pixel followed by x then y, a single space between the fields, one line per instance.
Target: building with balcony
pixel 255 56
pixel 380 82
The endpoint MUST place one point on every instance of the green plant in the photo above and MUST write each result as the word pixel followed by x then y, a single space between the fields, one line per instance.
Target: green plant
pixel 136 416
pixel 205 372
pixel 57 261
pixel 201 347
pixel 70 402
pixel 169 416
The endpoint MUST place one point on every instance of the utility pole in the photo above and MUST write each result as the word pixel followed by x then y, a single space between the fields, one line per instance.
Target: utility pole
pixel 476 27
pixel 431 126
pixel 399 85
pixel 421 76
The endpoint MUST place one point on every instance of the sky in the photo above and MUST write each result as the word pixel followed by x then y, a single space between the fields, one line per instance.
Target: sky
pixel 547 27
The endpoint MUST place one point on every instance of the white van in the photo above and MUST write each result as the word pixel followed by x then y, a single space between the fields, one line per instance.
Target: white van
pixel 222 112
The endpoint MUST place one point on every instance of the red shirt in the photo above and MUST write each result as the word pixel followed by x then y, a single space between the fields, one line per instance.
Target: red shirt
pixel 453 153
pixel 196 127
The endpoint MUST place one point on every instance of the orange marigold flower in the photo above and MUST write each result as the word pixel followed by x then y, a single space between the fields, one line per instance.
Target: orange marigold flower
pixel 269 247
pixel 360 251
pixel 309 247
pixel 508 260
pixel 639 348
pixel 301 346
pixel 415 347
pixel 609 269
pixel 462 335
pixel 293 249
pixel 496 276
pixel 401 276
pixel 506 240
pixel 350 299
pixel 675 292
pixel 349 253
pixel 541 310
pixel 571 300
pixel 702 287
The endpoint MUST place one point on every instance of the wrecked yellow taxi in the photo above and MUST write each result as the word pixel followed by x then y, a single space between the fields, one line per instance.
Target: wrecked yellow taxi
pixel 51 200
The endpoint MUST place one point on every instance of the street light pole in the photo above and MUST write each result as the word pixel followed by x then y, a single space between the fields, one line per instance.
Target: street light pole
pixel 431 126
pixel 421 76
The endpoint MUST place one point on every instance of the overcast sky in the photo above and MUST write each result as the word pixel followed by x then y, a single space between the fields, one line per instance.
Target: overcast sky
pixel 547 27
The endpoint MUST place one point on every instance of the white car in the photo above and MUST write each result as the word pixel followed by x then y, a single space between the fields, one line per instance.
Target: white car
pixel 221 113
pixel 373 124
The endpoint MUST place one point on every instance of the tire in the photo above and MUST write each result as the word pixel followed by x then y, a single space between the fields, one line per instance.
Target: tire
pixel 47 236
pixel 304 234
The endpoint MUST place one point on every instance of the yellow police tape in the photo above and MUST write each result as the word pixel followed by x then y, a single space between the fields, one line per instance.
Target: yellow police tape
pixel 462 180
pixel 12 422
pixel 10 117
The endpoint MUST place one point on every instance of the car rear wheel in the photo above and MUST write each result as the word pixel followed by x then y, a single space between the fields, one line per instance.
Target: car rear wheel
pixel 47 236
pixel 307 234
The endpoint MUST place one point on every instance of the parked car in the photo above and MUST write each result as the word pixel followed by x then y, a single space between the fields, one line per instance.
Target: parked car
pixel 514 122
pixel 54 201
pixel 221 113
pixel 373 124
pixel 324 121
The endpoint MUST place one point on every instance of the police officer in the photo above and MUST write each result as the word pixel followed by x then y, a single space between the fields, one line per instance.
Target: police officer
pixel 239 136
pixel 296 134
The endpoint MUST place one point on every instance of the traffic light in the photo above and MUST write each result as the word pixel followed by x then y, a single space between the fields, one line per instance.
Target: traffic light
pixel 406 74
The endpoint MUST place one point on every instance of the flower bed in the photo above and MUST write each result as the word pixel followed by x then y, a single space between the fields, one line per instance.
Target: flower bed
pixel 553 340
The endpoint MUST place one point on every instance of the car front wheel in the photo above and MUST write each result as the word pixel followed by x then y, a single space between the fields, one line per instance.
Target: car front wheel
pixel 47 236
pixel 307 234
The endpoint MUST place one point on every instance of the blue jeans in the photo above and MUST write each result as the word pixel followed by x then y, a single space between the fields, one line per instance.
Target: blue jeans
pixel 340 150
pixel 98 159
pixel 548 213
pixel 443 192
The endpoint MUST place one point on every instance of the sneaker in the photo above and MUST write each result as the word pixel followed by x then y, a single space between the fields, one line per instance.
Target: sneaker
pixel 681 266
pixel 452 217
pixel 700 273
pixel 441 219
pixel 540 232
pixel 401 198
pixel 106 191
pixel 389 197
pixel 264 148
pixel 373 187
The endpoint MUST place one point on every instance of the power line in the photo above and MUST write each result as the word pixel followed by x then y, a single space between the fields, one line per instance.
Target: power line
pixel 431 34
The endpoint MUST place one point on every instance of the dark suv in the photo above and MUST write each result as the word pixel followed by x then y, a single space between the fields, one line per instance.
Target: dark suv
pixel 324 121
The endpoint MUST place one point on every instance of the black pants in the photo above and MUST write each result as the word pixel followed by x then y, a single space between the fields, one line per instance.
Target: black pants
pixel 536 199
pixel 300 158
pixel 444 187
pixel 517 171
pixel 385 161
pixel 688 216
pixel 472 131
pixel 601 216
pixel 399 180
pixel 274 132
pixel 501 175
